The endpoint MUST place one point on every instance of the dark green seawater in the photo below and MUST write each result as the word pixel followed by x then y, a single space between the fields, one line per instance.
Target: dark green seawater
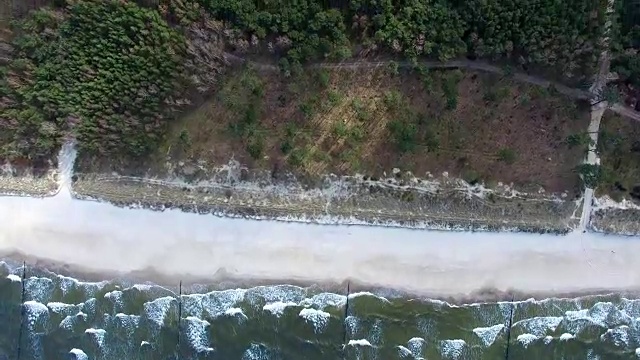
pixel 48 316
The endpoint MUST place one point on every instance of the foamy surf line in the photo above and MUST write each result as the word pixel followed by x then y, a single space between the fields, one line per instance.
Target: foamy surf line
pixel 99 237
pixel 611 321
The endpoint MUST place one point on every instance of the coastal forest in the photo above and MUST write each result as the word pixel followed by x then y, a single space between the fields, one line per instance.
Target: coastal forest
pixel 121 76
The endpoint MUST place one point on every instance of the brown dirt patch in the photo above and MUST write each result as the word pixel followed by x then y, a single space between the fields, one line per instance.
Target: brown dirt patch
pixel 473 125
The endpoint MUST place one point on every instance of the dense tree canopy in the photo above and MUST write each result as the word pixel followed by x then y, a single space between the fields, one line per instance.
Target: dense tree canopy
pixel 562 33
pixel 109 68
pixel 626 44
pixel 302 29
pixel 413 27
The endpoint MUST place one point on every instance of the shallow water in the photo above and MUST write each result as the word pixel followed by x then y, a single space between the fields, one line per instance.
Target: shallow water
pixel 61 315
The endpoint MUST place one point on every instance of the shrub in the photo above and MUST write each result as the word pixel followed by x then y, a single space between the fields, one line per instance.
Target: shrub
pixel 507 155
pixel 471 176
pixel 334 98
pixel 185 138
pixel 393 68
pixel 286 146
pixel 296 157
pixel 393 99
pixel 591 174
pixel 323 78
pixel 255 148
pixel 360 109
pixel 403 134
pixel 581 139
pixel 340 129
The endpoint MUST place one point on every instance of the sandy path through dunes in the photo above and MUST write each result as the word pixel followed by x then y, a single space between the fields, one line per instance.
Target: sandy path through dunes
pixel 104 238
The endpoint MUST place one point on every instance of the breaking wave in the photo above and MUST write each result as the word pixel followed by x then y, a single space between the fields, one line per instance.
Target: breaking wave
pixel 60 316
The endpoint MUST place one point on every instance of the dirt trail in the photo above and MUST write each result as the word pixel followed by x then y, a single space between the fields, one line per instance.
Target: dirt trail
pixel 597 111
pixel 467 64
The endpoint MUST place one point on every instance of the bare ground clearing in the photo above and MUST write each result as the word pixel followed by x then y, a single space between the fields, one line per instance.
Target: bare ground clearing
pixel 477 126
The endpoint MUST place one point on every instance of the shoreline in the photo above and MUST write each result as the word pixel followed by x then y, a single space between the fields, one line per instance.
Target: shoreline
pixel 607 217
pixel 108 241
pixel 222 281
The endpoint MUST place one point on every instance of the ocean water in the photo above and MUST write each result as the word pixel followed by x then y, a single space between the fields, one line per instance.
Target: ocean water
pixel 48 316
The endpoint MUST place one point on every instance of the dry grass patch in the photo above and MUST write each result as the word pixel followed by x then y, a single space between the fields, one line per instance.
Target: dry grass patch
pixel 474 125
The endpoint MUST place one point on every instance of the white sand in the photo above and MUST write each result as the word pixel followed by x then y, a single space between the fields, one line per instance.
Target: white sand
pixel 101 237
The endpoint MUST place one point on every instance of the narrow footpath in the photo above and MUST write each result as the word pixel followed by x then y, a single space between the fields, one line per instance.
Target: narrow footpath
pixel 597 110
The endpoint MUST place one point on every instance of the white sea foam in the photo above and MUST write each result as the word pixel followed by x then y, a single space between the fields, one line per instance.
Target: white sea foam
pixel 619 336
pixel 526 339
pixel 78 354
pixel 116 297
pixel 277 293
pixel 39 289
pixel 601 314
pixel 366 293
pixel 318 318
pixel 548 339
pixel 416 346
pixel 143 343
pixel 256 352
pixel 488 335
pixel 156 310
pixel 98 335
pixel 235 312
pixel 638 352
pixel 89 306
pixel 35 311
pixel 566 337
pixel 360 342
pixel 277 308
pixel 196 334
pixel 452 349
pixel 142 287
pixel 211 304
pixel 325 299
pixel 69 322
pixel 352 325
pixel 61 308
pixel 403 352
pixel 539 326
pixel 128 322
pixel 14 278
pixel 66 284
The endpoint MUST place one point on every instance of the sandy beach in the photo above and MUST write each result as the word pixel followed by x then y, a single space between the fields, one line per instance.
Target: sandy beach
pixel 101 238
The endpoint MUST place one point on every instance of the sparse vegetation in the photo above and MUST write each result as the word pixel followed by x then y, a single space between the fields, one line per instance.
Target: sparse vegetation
pixel 121 102
pixel 582 140
pixel 377 122
pixel 403 135
pixel 591 174
pixel 619 151
pixel 507 155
